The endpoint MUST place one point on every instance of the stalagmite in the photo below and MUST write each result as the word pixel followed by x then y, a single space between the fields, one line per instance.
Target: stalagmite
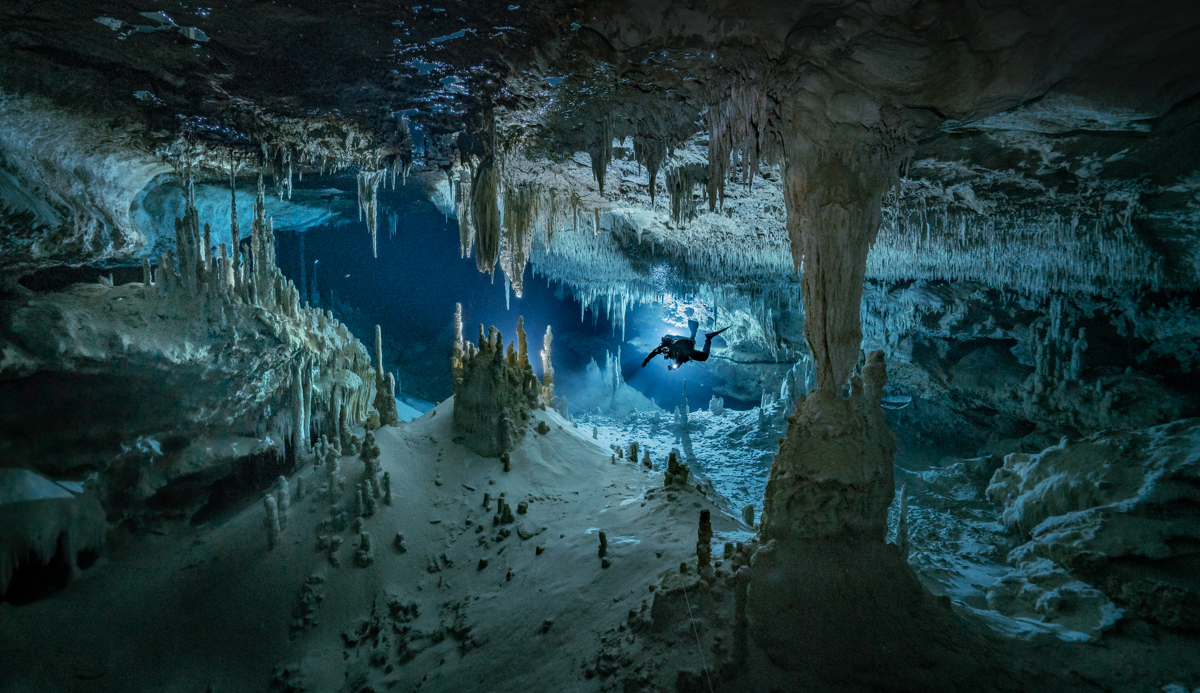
pixel 385 386
pixel 677 472
pixel 370 505
pixel 494 392
pixel 283 500
pixel 704 535
pixel 548 398
pixel 683 411
pixel 902 523
pixel 303 266
pixel 364 555
pixel 262 248
pixel 299 435
pixel 335 477
pixel 271 519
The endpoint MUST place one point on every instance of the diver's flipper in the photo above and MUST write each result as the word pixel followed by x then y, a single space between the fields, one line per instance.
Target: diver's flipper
pixel 710 335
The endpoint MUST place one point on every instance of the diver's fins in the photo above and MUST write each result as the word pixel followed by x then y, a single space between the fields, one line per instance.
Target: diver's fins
pixel 710 335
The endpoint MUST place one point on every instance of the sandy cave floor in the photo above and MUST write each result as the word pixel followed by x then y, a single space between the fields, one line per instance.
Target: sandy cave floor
pixel 210 609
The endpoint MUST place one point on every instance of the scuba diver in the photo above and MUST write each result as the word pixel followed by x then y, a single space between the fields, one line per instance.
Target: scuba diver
pixel 683 349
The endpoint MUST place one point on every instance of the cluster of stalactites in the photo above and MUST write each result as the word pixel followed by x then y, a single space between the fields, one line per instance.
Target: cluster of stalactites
pixel 681 184
pixel 520 218
pixel 650 152
pixel 741 132
pixel 1093 249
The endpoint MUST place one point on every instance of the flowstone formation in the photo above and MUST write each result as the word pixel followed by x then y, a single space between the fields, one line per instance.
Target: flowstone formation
pixel 494 389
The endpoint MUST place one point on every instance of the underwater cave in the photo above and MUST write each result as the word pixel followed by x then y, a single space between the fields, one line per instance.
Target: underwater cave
pixel 700 346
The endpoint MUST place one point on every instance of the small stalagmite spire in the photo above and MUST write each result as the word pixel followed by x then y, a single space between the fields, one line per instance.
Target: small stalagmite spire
pixel 548 397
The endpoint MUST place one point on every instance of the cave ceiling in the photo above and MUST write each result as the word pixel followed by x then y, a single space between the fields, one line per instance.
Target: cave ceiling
pixel 999 129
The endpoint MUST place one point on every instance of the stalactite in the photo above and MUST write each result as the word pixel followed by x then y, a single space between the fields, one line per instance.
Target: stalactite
pixel 287 158
pixel 463 208
pixel 520 212
pixel 650 152
pixel 833 204
pixel 600 149
pixel 368 185
pixel 485 213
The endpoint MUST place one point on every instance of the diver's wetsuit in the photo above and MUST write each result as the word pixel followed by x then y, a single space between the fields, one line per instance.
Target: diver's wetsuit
pixel 683 349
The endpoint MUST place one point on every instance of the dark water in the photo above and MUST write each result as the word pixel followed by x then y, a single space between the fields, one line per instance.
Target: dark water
pixel 410 290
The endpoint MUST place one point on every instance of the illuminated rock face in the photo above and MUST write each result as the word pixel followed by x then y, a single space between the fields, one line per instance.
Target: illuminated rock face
pixel 1115 509
pixel 150 384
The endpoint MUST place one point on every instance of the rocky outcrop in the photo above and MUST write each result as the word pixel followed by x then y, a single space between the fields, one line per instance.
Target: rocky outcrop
pixel 1118 510
pixel 160 388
